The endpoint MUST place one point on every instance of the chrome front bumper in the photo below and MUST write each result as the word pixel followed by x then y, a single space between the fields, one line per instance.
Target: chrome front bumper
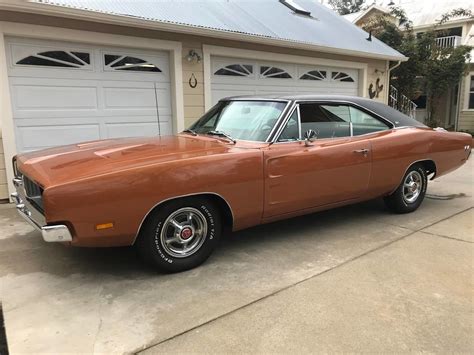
pixel 56 233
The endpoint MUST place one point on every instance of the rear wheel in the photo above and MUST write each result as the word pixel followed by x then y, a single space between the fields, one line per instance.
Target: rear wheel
pixel 180 235
pixel 411 192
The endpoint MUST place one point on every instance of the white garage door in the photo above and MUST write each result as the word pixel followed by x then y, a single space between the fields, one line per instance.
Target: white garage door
pixel 233 76
pixel 64 93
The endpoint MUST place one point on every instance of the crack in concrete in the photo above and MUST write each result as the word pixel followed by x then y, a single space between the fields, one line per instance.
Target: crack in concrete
pixel 446 237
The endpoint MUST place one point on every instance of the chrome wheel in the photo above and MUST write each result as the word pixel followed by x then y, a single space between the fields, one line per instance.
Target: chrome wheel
pixel 412 186
pixel 183 232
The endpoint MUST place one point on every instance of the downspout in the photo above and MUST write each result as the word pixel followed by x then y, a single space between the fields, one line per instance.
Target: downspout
pixel 394 67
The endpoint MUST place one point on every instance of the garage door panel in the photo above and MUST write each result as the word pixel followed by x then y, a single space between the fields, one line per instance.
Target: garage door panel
pixel 116 130
pixel 163 95
pixel 33 137
pixel 151 118
pixel 165 126
pixel 84 97
pixel 129 98
pixel 47 98
pixel 52 121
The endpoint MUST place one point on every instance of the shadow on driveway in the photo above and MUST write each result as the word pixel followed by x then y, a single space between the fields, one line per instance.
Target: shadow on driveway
pixel 33 254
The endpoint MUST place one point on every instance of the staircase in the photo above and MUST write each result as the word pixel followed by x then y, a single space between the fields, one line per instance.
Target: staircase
pixel 401 103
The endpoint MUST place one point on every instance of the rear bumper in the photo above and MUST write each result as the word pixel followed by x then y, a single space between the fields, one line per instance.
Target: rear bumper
pixel 55 233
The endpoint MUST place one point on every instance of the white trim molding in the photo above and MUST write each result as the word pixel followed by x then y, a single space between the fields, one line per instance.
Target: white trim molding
pixel 210 50
pixel 61 34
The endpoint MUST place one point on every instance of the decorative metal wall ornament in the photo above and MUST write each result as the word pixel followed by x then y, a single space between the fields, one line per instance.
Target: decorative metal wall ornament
pixel 193 81
pixel 378 89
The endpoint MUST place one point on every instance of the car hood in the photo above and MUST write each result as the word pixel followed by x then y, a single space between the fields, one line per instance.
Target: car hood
pixel 78 161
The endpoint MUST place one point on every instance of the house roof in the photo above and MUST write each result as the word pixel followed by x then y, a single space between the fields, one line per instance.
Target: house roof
pixel 420 12
pixel 429 12
pixel 324 30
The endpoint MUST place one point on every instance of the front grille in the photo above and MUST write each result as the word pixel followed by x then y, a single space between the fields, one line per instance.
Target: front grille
pixel 33 192
pixel 31 188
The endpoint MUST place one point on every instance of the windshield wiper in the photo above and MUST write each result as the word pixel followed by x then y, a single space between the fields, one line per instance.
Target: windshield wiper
pixel 190 131
pixel 222 134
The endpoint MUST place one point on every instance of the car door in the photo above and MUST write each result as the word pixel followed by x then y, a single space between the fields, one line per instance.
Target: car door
pixel 335 167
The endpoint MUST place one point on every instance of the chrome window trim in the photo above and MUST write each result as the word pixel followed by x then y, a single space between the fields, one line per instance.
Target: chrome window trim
pixel 300 134
pixel 280 131
pixel 280 126
pixel 350 103
pixel 283 115
pixel 296 103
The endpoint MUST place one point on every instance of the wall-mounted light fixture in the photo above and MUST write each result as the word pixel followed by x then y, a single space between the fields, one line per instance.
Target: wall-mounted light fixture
pixel 193 55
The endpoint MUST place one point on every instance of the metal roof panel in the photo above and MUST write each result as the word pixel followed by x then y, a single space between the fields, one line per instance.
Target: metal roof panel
pixel 264 18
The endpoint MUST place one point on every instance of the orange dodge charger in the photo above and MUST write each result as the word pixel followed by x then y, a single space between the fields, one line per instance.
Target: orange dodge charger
pixel 247 161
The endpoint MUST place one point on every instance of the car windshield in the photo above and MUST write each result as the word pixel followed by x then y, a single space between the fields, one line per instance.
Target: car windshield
pixel 246 120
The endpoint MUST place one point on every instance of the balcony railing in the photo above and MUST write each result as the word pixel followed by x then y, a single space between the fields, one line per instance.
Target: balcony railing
pixel 448 41
pixel 401 103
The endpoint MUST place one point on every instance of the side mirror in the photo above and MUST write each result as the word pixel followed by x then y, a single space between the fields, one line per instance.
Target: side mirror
pixel 309 136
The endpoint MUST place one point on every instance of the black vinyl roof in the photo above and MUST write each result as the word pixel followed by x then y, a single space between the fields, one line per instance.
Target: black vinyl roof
pixel 397 118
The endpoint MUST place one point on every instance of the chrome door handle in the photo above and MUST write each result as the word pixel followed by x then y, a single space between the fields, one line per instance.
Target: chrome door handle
pixel 362 151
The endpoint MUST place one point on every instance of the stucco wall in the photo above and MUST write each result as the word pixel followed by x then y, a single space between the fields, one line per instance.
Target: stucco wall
pixel 377 70
pixel 193 97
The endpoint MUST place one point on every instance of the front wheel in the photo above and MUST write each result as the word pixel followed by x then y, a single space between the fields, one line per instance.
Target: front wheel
pixel 180 235
pixel 411 192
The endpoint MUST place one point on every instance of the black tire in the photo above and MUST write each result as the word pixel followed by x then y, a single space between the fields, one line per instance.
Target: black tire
pixel 156 241
pixel 398 201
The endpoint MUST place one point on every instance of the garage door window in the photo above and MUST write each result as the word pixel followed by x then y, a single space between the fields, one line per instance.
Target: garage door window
pixel 64 59
pixel 274 72
pixel 340 76
pixel 125 62
pixel 314 75
pixel 235 70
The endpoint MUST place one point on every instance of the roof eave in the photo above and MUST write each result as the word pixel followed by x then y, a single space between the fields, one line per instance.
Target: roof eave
pixel 445 25
pixel 368 10
pixel 116 19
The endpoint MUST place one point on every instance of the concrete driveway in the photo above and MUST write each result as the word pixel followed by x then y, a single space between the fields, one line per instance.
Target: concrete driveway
pixel 352 279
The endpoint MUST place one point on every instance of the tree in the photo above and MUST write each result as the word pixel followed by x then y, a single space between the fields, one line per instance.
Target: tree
pixel 344 7
pixel 431 68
